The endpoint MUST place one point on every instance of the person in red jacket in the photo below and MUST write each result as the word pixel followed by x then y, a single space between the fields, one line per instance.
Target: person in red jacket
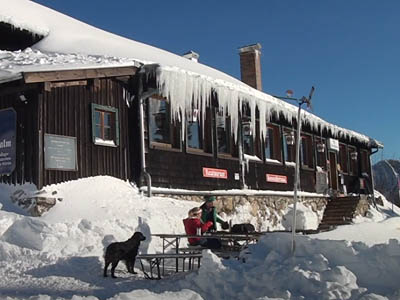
pixel 193 223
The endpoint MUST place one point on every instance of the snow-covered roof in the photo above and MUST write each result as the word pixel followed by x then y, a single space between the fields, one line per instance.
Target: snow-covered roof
pixel 70 44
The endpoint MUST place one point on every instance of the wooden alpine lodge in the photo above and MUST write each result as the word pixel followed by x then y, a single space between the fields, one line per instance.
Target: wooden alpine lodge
pixel 164 125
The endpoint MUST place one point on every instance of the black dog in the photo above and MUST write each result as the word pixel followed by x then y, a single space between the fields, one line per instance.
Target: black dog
pixel 126 251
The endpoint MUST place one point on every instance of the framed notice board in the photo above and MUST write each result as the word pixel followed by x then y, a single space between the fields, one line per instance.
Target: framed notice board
pixel 8 146
pixel 60 152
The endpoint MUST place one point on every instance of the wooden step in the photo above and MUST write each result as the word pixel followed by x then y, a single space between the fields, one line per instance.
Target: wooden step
pixel 336 223
pixel 339 211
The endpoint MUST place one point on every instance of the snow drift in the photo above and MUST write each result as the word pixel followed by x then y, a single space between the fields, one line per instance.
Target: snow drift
pixel 60 255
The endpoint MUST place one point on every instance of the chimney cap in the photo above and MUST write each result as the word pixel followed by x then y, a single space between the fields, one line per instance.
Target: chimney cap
pixel 250 48
pixel 191 55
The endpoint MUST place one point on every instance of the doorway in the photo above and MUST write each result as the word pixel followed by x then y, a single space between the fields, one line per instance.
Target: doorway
pixel 333 175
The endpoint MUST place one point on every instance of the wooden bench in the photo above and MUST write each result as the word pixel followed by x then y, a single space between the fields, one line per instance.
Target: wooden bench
pixel 156 259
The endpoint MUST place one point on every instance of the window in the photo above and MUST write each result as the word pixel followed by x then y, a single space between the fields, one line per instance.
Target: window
pixel 343 158
pixel 250 135
pixel 306 151
pixel 225 142
pixel 162 132
pixel 223 133
pixel 364 161
pixel 320 152
pixel 196 141
pixel 193 130
pixel 105 129
pixel 289 146
pixel 272 144
pixel 353 166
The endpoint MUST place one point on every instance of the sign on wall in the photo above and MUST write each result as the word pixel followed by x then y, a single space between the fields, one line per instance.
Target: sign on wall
pixel 60 152
pixel 321 182
pixel 276 178
pixel 333 144
pixel 8 133
pixel 215 173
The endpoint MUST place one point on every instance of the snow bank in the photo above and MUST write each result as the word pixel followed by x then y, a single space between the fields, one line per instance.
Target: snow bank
pixel 318 270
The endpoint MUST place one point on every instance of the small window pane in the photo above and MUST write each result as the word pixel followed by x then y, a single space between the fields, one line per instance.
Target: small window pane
pixel 108 134
pixel 353 156
pixel 223 136
pixel 159 125
pixel 306 152
pixel 107 119
pixel 194 139
pixel 269 144
pixel 289 145
pixel 98 131
pixel 343 159
pixel 320 149
pixel 97 118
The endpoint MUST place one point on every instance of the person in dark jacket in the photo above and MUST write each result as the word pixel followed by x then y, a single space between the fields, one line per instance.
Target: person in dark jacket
pixel 194 226
pixel 209 213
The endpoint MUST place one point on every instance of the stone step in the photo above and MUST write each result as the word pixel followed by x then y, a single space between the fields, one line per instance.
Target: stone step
pixel 343 222
pixel 338 211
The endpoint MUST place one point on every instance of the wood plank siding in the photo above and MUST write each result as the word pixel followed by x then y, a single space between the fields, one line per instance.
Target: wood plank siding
pixel 65 109
pixel 64 103
pixel 67 112
pixel 173 166
pixel 26 137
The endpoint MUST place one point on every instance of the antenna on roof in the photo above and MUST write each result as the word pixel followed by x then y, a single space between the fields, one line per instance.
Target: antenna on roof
pixel 308 100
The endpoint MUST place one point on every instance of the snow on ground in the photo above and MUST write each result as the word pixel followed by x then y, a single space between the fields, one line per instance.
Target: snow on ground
pixel 60 255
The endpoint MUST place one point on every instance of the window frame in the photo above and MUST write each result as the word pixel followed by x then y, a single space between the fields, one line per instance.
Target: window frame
pixel 308 138
pixel 364 160
pixel 353 163
pixel 174 143
pixel 204 139
pixel 256 154
pixel 286 147
pixel 232 147
pixel 114 113
pixel 318 155
pixel 277 155
pixel 343 158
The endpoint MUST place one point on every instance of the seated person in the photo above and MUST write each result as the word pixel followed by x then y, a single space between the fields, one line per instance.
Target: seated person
pixel 192 223
pixel 209 213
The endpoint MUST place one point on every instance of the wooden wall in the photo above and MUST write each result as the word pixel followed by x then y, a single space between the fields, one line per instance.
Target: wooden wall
pixel 171 169
pixel 67 111
pixel 178 169
pixel 26 139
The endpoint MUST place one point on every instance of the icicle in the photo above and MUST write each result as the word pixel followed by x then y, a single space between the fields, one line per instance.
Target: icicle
pixel 188 90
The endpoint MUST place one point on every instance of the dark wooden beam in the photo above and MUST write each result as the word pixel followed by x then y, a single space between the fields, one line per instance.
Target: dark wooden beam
pixel 31 77
pixel 67 83
pixel 17 89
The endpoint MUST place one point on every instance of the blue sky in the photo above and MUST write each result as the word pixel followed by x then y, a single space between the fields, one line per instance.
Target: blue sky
pixel 348 50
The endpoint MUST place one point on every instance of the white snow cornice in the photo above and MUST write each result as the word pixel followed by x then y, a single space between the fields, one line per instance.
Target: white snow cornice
pixel 187 90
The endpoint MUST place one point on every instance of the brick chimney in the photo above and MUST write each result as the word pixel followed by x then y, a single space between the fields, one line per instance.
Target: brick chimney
pixel 250 66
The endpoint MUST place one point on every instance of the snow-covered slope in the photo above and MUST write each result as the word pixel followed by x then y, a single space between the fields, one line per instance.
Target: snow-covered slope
pixel 386 179
pixel 60 255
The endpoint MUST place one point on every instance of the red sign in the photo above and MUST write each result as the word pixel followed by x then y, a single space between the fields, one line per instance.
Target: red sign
pixel 215 173
pixel 276 178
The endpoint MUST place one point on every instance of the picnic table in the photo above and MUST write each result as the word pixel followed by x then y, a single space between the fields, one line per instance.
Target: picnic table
pixel 232 242
pixel 156 259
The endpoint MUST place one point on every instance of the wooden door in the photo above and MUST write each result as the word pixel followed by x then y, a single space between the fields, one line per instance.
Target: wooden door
pixel 333 175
